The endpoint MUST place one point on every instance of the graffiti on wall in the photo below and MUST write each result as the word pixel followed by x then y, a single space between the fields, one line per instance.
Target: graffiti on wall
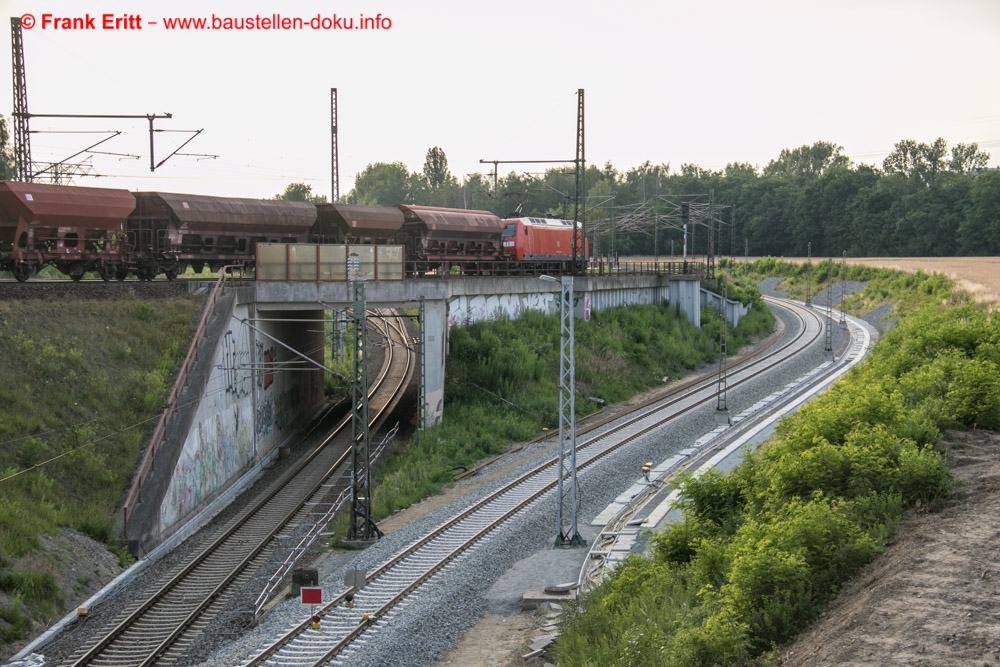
pixel 284 409
pixel 235 364
pixel 264 419
pixel 465 310
pixel 275 414
pixel 221 448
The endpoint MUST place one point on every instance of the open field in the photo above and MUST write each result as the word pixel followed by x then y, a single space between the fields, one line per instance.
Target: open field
pixel 978 275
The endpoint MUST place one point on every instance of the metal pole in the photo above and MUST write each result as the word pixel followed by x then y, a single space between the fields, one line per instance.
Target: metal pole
pixel 334 150
pixel 22 135
pixel 809 252
pixel 843 287
pixel 579 242
pixel 360 528
pixel 613 257
pixel 722 402
pixel 828 347
pixel 567 416
pixel 422 380
pixel 685 214
pixel 656 220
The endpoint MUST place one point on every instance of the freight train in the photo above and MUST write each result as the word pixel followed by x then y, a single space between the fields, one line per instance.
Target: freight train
pixel 114 233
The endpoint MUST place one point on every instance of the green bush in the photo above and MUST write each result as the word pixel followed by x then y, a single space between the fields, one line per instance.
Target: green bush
pixel 14 622
pixel 38 590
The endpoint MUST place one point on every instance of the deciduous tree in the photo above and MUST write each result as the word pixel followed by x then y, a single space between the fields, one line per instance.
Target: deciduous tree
pixel 381 184
pixel 6 152
pixel 966 158
pixel 436 168
pixel 807 161
pixel 300 192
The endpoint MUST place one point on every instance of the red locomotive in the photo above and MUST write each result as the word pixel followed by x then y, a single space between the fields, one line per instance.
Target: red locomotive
pixel 541 239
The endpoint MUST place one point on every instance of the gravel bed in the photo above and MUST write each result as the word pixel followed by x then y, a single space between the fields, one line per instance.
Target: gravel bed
pixel 836 291
pixel 767 287
pixel 436 617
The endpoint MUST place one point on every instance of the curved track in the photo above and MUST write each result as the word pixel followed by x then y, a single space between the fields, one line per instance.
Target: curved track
pixel 373 605
pixel 654 498
pixel 161 628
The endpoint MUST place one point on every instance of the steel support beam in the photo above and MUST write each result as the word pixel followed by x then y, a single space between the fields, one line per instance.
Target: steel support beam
pixel 422 381
pixel 579 215
pixel 22 137
pixel 361 523
pixel 568 536
pixel 334 157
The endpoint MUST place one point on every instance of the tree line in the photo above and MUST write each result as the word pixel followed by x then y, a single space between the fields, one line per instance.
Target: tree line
pixel 924 201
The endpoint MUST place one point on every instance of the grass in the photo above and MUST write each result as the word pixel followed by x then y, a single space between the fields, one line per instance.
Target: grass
pixel 81 383
pixel 502 385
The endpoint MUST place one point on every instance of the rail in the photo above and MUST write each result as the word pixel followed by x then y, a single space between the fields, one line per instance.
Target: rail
pixel 279 578
pixel 146 464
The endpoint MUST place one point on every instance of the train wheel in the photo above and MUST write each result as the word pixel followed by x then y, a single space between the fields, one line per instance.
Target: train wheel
pixel 106 273
pixel 121 274
pixel 77 277
pixel 22 272
pixel 171 274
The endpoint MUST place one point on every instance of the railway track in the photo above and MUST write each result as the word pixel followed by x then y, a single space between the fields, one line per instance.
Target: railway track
pixel 648 503
pixel 387 588
pixel 161 628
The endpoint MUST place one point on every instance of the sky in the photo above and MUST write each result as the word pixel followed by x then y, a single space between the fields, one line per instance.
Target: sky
pixel 672 82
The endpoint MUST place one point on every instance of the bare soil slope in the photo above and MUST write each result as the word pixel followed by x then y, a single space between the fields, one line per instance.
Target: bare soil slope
pixel 932 597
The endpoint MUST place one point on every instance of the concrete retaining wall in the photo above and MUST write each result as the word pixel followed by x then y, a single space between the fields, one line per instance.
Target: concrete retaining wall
pixel 250 394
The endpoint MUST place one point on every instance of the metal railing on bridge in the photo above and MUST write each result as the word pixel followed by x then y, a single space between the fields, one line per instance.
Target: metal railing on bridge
pixel 604 267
